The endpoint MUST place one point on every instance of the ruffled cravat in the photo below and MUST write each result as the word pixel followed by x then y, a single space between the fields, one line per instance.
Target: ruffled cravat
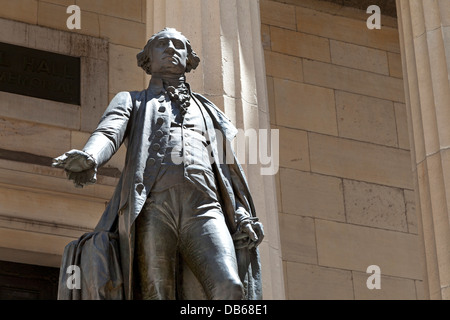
pixel 175 87
pixel 180 96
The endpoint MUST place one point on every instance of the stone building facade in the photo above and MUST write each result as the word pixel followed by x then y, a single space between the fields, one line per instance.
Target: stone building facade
pixel 361 113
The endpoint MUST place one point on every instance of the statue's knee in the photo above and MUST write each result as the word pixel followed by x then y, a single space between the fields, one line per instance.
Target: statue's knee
pixel 229 290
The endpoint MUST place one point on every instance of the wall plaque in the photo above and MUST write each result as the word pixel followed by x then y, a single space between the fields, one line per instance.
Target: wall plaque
pixel 39 74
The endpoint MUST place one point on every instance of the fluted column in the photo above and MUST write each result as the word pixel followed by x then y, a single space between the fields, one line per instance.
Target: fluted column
pixel 226 35
pixel 424 27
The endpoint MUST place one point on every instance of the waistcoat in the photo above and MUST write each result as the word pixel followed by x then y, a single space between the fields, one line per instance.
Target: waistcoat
pixel 187 156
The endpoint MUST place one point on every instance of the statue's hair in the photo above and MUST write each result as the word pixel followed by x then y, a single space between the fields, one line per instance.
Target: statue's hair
pixel 144 58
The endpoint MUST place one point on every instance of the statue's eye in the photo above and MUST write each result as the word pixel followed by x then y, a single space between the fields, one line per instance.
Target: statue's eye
pixel 178 44
pixel 161 43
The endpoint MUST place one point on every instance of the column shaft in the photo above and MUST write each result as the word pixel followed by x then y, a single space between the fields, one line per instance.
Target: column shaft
pixel 424 27
pixel 226 35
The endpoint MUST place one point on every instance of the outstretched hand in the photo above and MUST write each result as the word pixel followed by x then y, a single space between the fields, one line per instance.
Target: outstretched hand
pixel 79 166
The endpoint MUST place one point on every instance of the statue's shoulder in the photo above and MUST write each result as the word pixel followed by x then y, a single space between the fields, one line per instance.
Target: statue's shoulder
pixel 132 98
pixel 127 100
pixel 123 95
pixel 136 95
pixel 122 98
pixel 130 95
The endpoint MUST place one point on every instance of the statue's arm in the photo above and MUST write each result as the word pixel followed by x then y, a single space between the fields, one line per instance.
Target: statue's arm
pixel 111 130
pixel 81 165
pixel 250 231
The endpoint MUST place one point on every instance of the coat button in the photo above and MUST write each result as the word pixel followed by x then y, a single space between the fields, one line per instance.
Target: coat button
pixel 162 109
pixel 160 121
pixel 151 162
pixel 159 134
pixel 139 188
pixel 162 99
pixel 156 147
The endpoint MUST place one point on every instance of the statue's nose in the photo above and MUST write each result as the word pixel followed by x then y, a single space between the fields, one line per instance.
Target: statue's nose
pixel 170 47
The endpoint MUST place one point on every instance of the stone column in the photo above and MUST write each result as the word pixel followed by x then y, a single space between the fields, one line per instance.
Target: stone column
pixel 226 35
pixel 424 27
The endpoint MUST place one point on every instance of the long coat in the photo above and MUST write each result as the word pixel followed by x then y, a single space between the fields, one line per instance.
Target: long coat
pixel 142 122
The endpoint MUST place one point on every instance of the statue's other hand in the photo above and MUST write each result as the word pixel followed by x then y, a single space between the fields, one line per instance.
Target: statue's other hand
pixel 79 166
pixel 255 231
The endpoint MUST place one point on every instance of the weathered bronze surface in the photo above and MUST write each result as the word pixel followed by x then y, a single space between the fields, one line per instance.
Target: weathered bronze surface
pixel 39 74
pixel 184 218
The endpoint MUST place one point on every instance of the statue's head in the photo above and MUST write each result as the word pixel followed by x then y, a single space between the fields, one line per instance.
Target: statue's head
pixel 168 52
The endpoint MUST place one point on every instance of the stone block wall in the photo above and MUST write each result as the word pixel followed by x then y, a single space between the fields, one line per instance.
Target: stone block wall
pixel 345 185
pixel 345 188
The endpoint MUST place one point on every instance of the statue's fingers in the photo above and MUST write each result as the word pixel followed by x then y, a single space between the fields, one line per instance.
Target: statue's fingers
pixel 89 163
pixel 251 233
pixel 259 229
pixel 80 179
pixel 93 178
pixel 239 236
pixel 59 162
pixel 74 176
pixel 80 162
pixel 75 164
pixel 78 185
pixel 69 174
pixel 258 242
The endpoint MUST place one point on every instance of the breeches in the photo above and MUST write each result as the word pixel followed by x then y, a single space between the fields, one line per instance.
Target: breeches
pixel 180 227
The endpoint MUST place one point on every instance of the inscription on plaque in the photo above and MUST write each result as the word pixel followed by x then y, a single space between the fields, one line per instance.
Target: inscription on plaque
pixel 39 74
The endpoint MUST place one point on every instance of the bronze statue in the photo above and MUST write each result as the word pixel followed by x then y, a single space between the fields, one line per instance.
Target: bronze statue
pixel 185 221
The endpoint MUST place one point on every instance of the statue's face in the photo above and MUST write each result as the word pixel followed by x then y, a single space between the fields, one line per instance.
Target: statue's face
pixel 169 54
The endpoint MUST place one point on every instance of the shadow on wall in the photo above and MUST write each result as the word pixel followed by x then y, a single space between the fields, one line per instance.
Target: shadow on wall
pixel 388 7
